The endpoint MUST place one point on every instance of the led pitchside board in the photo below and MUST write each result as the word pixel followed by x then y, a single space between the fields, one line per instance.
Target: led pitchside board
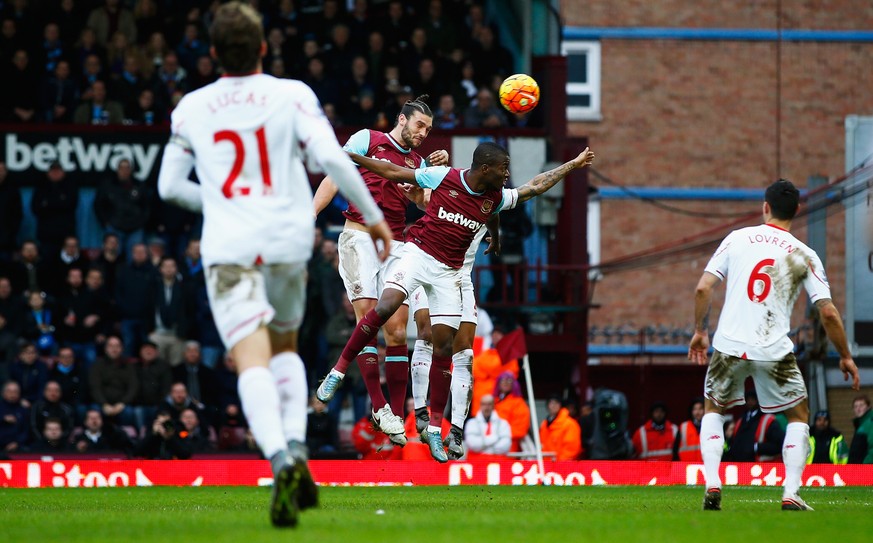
pixel 859 236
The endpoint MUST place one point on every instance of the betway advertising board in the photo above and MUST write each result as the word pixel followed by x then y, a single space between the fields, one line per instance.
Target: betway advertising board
pixel 101 473
pixel 85 154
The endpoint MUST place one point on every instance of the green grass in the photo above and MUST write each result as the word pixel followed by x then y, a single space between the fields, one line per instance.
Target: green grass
pixel 434 514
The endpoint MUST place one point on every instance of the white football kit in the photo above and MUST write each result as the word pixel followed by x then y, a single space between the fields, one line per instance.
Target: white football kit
pixel 765 267
pixel 248 139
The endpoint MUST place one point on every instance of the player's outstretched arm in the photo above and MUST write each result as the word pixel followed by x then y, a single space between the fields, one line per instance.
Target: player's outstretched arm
pixel 385 169
pixel 324 195
pixel 173 183
pixel 833 325
pixel 549 179
pixel 702 304
pixel 493 236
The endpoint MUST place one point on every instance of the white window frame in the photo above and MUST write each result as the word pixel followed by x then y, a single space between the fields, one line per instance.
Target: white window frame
pixel 592 89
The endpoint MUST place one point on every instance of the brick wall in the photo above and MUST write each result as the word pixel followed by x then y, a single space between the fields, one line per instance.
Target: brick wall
pixel 704 114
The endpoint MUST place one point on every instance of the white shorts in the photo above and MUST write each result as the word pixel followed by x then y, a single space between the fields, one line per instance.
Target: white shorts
pixel 441 284
pixel 469 311
pixel 362 272
pixel 243 298
pixel 779 385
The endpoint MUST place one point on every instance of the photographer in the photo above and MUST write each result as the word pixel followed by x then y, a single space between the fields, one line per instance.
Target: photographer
pixel 162 442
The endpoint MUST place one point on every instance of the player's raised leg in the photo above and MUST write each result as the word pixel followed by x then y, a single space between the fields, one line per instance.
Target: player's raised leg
pixel 461 387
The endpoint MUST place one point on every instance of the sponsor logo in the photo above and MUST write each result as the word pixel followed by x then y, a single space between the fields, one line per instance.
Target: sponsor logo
pixel 714 437
pixel 409 162
pixel 365 328
pixel 487 206
pixel 453 193
pixel 74 154
pixel 457 218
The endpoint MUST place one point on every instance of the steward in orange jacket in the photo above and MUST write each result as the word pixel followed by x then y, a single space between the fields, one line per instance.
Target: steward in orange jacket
pixel 687 445
pixel 560 433
pixel 512 408
pixel 654 439
pixel 487 367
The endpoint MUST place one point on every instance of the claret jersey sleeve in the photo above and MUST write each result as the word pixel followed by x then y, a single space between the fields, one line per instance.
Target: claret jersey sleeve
pixel 432 176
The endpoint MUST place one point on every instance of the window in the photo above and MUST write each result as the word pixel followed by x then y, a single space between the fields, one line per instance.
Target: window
pixel 583 80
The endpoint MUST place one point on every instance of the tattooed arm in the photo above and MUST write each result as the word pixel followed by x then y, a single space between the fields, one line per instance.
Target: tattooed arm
pixel 549 179
pixel 702 305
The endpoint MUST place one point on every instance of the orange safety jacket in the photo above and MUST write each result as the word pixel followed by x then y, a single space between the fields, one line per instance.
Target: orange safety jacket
pixel 689 443
pixel 763 425
pixel 652 444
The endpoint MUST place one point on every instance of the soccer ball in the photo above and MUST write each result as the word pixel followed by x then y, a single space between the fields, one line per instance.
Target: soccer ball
pixel 519 93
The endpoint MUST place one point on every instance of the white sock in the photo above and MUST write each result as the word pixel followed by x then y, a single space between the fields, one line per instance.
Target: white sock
pixel 712 447
pixel 422 356
pixel 462 381
pixel 260 404
pixel 290 375
pixel 795 450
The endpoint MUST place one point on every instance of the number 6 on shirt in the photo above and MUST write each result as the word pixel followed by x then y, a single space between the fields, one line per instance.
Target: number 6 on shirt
pixel 239 158
pixel 763 277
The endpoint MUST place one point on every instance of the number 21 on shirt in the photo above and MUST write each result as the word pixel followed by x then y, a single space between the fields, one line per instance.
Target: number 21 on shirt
pixel 239 159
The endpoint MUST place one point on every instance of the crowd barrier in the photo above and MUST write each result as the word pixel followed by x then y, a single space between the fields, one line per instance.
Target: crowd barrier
pixel 47 473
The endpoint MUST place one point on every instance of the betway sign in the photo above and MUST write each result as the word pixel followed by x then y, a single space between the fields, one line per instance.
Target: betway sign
pixel 73 472
pixel 84 153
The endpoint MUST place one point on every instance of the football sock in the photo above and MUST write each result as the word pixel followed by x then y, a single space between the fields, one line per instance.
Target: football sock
pixel 290 374
pixel 260 404
pixel 795 450
pixel 397 376
pixel 462 380
pixel 712 447
pixel 440 382
pixel 368 362
pixel 364 333
pixel 421 358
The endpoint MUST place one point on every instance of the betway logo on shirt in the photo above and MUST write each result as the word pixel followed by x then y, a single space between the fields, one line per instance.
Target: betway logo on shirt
pixel 74 154
pixel 457 218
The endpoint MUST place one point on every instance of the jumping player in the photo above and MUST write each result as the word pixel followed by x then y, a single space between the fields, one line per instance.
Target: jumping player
pixel 364 275
pixel 461 202
pixel 247 135
pixel 765 266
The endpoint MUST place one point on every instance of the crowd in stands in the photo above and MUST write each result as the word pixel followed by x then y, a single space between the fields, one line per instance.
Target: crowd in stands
pixel 110 62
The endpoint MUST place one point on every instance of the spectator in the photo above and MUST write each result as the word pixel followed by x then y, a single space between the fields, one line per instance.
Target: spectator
pixel 40 322
pixel 114 384
pixel 587 423
pixel 338 54
pixel 173 226
pixel 446 118
pixel 325 88
pixel 228 394
pixel 126 86
pixel 10 38
pixel 192 265
pixel 144 111
pixel 148 17
pixel 111 15
pixel 155 380
pixel 395 28
pixel 427 81
pixel 511 407
pixel 194 436
pixel 11 308
pixel 439 29
pixel 19 86
pixel 30 273
pixel 464 89
pixel 826 443
pixel 862 444
pixel 360 24
pixel 686 447
pixel 10 215
pixel 69 257
pixel 52 50
pixel 85 48
pixel 100 304
pixel 168 321
pixel 177 401
pixel 211 346
pixel 52 439
pixel 51 407
pixel 80 317
pixel 321 430
pixel 92 72
pixel 54 204
pixel 377 60
pixel 338 331
pixel 155 50
pixel 559 432
pixel 97 109
pixel 30 373
pixel 192 47
pixel 203 73
pixel 276 48
pixel 489 57
pixel 122 206
pixel 58 95
pixel 168 79
pixel 487 433
pixel 488 367
pixel 483 113
pixel 109 260
pixel 163 440
pixel 200 382
pixel 71 380
pixel 363 111
pixel 98 438
pixel 756 437
pixel 8 346
pixel 13 420
pixel 654 439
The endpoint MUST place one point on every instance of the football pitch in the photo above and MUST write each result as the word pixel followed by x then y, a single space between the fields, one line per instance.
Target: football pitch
pixel 457 514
